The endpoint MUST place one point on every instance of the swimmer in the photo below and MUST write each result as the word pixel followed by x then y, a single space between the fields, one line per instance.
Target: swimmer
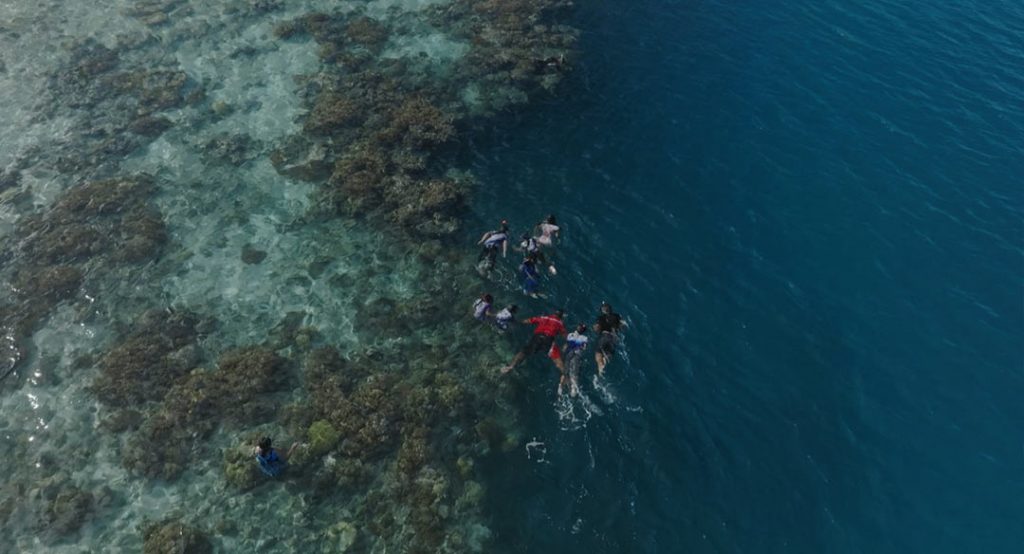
pixel 548 231
pixel 547 328
pixel 270 462
pixel 492 241
pixel 505 317
pixel 529 245
pixel 482 307
pixel 575 344
pixel 530 276
pixel 607 328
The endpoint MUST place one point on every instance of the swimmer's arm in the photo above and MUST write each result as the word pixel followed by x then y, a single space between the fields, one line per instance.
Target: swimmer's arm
pixel 504 249
pixel 483 238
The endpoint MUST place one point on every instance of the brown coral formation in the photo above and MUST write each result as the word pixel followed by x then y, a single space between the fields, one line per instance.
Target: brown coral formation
pixel 90 229
pixel 392 126
pixel 237 392
pixel 172 536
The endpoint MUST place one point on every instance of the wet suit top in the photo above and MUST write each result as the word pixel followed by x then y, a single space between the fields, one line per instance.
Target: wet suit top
pixel 547 325
pixel 575 342
pixel 480 308
pixel 495 239
pixel 503 318
pixel 271 464
pixel 609 322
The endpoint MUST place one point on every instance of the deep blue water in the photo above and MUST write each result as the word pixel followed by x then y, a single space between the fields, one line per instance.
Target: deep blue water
pixel 811 214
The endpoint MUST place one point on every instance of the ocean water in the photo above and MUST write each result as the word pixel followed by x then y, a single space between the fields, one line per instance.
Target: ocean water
pixel 810 214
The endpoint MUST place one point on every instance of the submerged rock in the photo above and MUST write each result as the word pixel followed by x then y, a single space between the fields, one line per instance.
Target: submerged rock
pixel 252 255
pixel 172 536
pixel 68 511
pixel 340 537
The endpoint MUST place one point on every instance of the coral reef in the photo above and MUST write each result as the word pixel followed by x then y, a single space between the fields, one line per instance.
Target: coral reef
pixel 67 511
pixel 173 536
pixel 88 231
pixel 144 366
pixel 236 393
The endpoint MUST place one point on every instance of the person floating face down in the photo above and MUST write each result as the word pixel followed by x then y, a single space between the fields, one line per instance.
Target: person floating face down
pixel 547 328
pixel 607 328
pixel 504 318
pixel 493 241
pixel 482 307
pixel 572 353
pixel 530 246
pixel 547 231
pixel 530 276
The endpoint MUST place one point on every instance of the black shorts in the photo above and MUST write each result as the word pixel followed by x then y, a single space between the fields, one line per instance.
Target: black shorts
pixel 538 343
pixel 606 344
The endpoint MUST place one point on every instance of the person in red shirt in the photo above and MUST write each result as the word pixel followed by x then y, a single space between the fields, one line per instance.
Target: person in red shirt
pixel 548 327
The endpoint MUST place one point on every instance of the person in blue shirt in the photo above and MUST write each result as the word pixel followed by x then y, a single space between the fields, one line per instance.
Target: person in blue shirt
pixel 270 462
pixel 530 276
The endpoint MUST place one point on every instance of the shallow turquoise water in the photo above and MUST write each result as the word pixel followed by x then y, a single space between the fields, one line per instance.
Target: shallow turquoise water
pixel 811 213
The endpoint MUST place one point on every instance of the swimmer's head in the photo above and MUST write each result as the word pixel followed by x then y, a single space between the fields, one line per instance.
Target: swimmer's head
pixel 264 444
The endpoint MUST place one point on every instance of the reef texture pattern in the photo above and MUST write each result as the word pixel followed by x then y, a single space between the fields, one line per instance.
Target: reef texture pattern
pixel 228 220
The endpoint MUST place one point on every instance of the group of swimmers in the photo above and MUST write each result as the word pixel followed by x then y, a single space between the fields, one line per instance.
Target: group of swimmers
pixel 547 328
pixel 532 248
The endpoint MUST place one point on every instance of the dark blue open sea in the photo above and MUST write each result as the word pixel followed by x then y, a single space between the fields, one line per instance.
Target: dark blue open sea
pixel 811 215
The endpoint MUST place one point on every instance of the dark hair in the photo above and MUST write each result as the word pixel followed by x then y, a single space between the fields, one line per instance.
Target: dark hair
pixel 551 220
pixel 264 443
pixel 513 308
pixel 488 298
pixel 504 225
pixel 606 306
pixel 526 236
pixel 581 328
pixel 559 314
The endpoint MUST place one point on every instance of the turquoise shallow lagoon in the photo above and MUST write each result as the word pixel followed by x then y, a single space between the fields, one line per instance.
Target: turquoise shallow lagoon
pixel 224 220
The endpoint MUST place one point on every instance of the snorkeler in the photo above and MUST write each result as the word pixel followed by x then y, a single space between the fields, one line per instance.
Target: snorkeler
pixel 575 344
pixel 607 326
pixel 548 230
pixel 482 307
pixel 505 317
pixel 547 328
pixel 270 462
pixel 492 241
pixel 529 245
pixel 531 277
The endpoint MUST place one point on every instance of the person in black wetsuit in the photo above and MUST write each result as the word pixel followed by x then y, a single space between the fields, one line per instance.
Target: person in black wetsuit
pixel 607 327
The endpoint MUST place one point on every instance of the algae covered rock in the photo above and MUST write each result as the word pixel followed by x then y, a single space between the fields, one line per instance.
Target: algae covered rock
pixel 322 438
pixel 66 512
pixel 340 537
pixel 172 536
pixel 239 467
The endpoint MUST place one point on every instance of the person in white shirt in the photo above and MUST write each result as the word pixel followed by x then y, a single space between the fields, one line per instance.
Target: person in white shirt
pixel 548 230
pixel 575 344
